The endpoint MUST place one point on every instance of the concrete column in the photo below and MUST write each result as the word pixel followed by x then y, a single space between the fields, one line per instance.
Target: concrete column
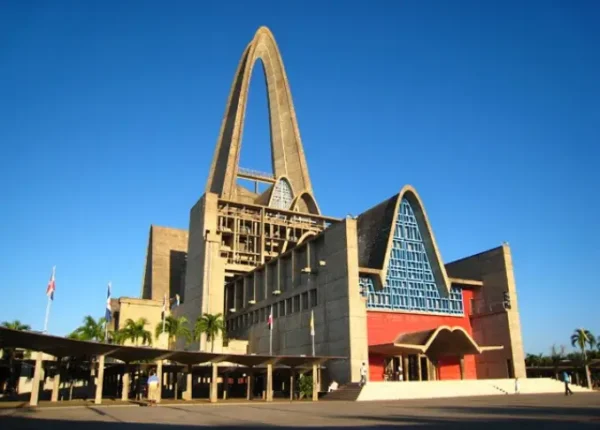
pixel 249 383
pixel 225 385
pixel 292 372
pixel 405 368
pixel 315 390
pixel 100 380
pixel 159 375
pixel 187 395
pixel 462 367
pixel 419 376
pixel 125 388
pixel 214 383
pixel 35 384
pixel 56 383
pixel 269 396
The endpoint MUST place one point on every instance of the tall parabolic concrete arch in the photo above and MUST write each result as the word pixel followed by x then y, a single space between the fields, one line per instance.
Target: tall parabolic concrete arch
pixel 287 153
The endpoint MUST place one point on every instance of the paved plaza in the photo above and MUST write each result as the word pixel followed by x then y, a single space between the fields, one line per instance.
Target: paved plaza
pixel 498 412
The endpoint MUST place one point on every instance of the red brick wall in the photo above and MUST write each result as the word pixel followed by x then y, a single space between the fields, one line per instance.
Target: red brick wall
pixel 384 327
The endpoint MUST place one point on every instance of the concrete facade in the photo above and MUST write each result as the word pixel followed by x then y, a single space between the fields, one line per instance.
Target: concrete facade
pixel 251 254
pixel 165 263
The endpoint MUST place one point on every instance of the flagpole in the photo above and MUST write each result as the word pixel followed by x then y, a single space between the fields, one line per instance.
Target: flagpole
pixel 312 331
pixel 47 315
pixel 164 312
pixel 271 333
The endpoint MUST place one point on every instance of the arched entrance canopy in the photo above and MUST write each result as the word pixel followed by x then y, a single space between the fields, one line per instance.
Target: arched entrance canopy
pixel 442 341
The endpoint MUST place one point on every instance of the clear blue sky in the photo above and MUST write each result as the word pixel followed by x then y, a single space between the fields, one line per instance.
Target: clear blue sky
pixel 109 113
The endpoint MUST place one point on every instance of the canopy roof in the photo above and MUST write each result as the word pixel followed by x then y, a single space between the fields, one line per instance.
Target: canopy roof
pixel 63 347
pixel 437 342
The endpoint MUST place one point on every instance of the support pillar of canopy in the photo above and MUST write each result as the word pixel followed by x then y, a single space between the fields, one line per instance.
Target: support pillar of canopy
pixel 159 375
pixel 405 367
pixel 37 375
pixel 419 373
pixel 125 384
pixel 187 394
pixel 249 383
pixel 292 374
pixel 99 381
pixel 315 384
pixel 214 383
pixel 462 367
pixel 225 386
pixel 269 395
pixel 56 382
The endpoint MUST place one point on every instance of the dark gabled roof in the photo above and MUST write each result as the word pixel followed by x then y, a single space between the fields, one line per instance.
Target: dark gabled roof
pixel 374 228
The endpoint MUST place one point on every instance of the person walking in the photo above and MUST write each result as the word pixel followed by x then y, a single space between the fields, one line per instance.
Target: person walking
pixel 516 385
pixel 153 387
pixel 363 374
pixel 567 381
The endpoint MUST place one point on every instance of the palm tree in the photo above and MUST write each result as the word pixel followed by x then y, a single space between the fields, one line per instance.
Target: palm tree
pixel 582 337
pixel 118 337
pixel 135 330
pixel 211 326
pixel 174 327
pixel 15 325
pixel 90 330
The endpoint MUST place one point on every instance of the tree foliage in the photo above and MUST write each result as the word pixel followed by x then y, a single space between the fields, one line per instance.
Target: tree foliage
pixel 210 325
pixel 175 327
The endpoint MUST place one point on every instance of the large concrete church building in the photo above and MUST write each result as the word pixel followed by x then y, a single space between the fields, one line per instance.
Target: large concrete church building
pixel 376 284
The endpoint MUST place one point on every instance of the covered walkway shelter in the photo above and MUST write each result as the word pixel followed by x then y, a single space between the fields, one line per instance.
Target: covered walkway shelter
pixel 103 356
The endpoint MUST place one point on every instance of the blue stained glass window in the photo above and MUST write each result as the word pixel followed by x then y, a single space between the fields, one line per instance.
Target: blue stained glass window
pixel 410 284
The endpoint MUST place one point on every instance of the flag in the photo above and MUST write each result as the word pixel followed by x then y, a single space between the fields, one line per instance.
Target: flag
pixel 270 320
pixel 51 285
pixel 312 323
pixel 177 301
pixel 108 313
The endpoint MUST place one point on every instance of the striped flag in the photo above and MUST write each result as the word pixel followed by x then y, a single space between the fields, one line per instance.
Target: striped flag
pixel 51 285
pixel 108 313
pixel 177 301
pixel 312 323
pixel 270 320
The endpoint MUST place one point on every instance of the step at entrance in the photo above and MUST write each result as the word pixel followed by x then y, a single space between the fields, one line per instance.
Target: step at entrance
pixel 348 392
